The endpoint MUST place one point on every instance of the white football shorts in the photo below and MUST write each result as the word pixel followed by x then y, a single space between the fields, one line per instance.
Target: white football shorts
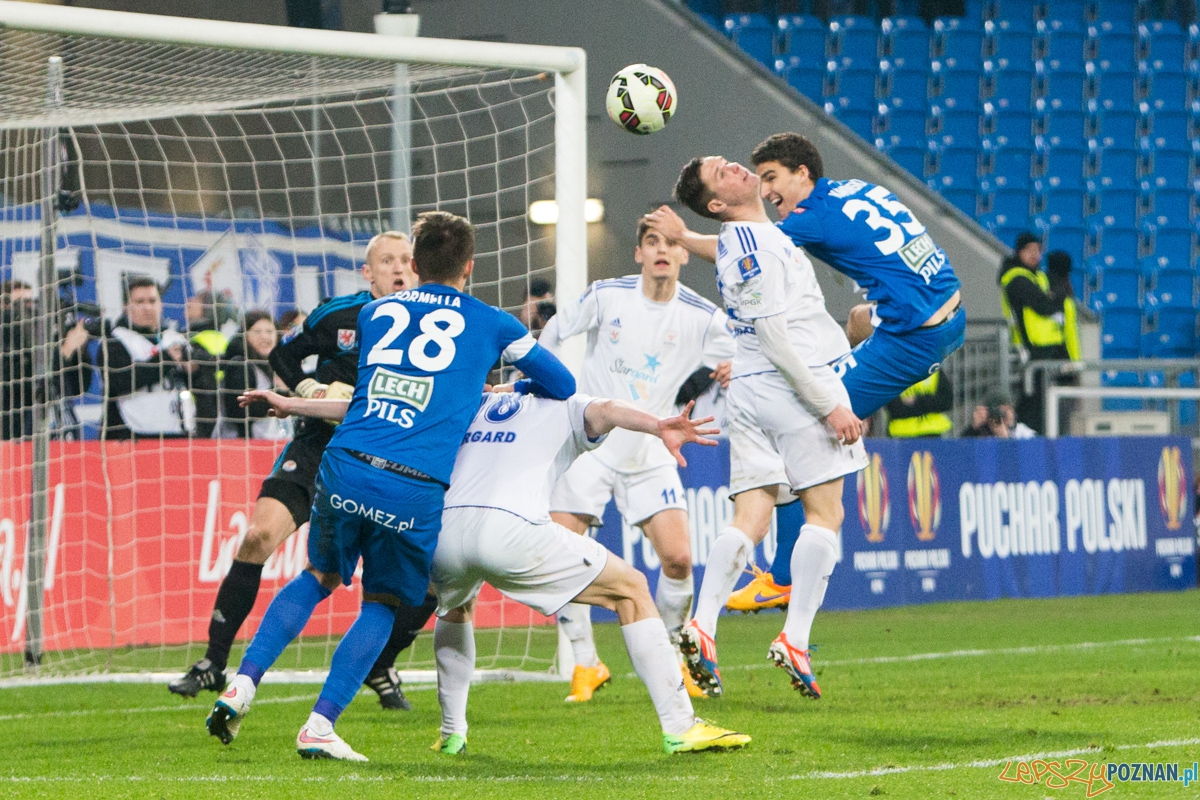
pixel 584 489
pixel 774 440
pixel 543 566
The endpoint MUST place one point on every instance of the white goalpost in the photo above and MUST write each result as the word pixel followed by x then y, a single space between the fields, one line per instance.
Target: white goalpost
pixel 239 167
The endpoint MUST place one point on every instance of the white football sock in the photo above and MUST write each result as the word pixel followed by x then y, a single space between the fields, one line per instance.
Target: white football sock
pixel 674 600
pixel 576 622
pixel 655 663
pixel 813 561
pixel 726 560
pixel 454 649
pixel 245 684
pixel 319 724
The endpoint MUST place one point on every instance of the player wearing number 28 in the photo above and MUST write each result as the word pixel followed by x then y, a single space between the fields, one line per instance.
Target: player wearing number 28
pixel 424 356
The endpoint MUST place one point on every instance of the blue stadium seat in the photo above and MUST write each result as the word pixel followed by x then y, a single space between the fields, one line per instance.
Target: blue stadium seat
pixel 1010 166
pixel 1118 202
pixel 1067 11
pixel 1113 18
pixel 710 7
pixel 1163 44
pixel 1114 128
pixel 854 87
pixel 859 120
pixel 911 158
pixel 1062 44
pixel 913 87
pixel 1010 89
pixel 1008 128
pixel 1165 91
pixel 997 226
pixel 962 199
pixel 1010 204
pixel 1168 126
pixel 713 22
pixel 958 164
pixel 1062 208
pixel 1167 208
pixel 908 125
pixel 801 35
pixel 856 37
pixel 960 85
pixel 1063 167
pixel 1058 237
pixel 1010 38
pixel 952 127
pixel 1121 244
pixel 1172 290
pixel 1119 338
pixel 1113 52
pixel 1173 333
pixel 1173 245
pixel 1066 87
pixel 1118 289
pixel 1153 265
pixel 755 34
pixel 1114 91
pixel 807 80
pixel 907 38
pixel 1193 41
pixel 958 42
pixel 1113 166
pixel 1062 127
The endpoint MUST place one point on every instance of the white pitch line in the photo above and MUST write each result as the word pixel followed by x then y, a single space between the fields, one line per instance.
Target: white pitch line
pixel 354 777
pixel 87 712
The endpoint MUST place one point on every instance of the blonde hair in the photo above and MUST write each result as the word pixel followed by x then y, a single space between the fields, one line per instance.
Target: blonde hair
pixel 401 235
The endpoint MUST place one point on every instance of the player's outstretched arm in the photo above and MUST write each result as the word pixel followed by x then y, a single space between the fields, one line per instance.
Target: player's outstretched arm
pixel 772 337
pixel 601 416
pixel 669 224
pixel 283 407
pixel 543 367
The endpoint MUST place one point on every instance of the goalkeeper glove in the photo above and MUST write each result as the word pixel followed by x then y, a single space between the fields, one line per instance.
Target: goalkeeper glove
pixel 338 391
pixel 309 389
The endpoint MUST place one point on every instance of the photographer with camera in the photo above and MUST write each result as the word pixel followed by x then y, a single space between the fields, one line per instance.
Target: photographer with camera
pixel 997 418
pixel 147 367
pixel 18 392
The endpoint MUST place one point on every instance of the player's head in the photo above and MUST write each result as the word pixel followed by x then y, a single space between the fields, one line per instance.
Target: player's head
pixel 788 167
pixel 713 187
pixel 1029 250
pixel 443 248
pixel 143 302
pixel 388 265
pixel 658 256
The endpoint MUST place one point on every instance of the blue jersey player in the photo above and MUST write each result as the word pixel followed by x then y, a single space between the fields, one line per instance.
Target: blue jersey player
pixel 424 356
pixel 912 320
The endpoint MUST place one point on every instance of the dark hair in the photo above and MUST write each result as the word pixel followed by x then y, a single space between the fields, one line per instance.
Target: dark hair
pixel 8 287
pixel 287 319
pixel 443 244
pixel 539 287
pixel 792 151
pixel 255 316
pixel 691 190
pixel 1025 239
pixel 132 282
pixel 1059 261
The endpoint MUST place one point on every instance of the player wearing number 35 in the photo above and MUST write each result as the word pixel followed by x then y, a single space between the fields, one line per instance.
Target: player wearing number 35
pixel 424 356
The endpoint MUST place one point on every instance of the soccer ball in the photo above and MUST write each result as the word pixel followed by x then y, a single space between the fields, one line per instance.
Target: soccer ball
pixel 641 99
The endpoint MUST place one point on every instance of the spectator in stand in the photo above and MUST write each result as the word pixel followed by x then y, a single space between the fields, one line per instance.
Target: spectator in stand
pixel 147 368
pixel 290 319
pixel 1042 319
pixel 923 409
pixel 539 306
pixel 245 366
pixel 205 314
pixel 996 418
pixel 71 372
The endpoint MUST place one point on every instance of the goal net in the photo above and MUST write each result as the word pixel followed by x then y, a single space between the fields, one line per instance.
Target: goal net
pixel 239 168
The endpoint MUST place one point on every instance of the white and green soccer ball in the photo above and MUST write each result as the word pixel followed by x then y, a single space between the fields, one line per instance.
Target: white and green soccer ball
pixel 641 99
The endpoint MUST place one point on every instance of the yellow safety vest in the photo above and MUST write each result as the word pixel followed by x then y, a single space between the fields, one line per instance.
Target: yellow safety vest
pixel 1041 331
pixel 934 424
pixel 215 344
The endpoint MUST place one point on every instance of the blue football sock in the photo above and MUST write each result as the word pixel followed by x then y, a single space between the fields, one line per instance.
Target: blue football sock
pixel 788 520
pixel 285 618
pixel 353 658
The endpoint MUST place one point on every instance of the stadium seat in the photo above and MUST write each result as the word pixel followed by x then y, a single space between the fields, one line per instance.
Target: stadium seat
pixel 1062 208
pixel 1113 166
pixel 801 35
pixel 1008 128
pixel 1113 20
pixel 953 127
pixel 1158 263
pixel 853 36
pixel 912 87
pixel 908 125
pixel 1062 44
pixel 962 199
pixel 959 42
pixel 1164 126
pixel 948 83
pixel 906 38
pixel 1166 208
pixel 1172 334
pixel 1112 54
pixel 807 81
pixel 854 87
pixel 998 226
pixel 1010 38
pixel 859 120
pixel 1118 289
pixel 1069 11
pixel 755 34
pixel 1114 128
pixel 1010 204
pixel 1010 89
pixel 1114 91
pixel 1110 241
pixel 1066 87
pixel 1172 290
pixel 1062 127
pixel 1119 338
pixel 960 165
pixel 1165 91
pixel 1010 166
pixel 911 158
pixel 1063 167
pixel 1163 44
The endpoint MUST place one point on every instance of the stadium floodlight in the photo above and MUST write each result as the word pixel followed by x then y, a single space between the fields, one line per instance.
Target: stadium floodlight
pixel 175 148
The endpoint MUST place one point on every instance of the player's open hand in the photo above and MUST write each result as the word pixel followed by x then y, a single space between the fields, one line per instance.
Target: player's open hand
pixel 667 222
pixel 846 426
pixel 722 373
pixel 280 405
pixel 678 431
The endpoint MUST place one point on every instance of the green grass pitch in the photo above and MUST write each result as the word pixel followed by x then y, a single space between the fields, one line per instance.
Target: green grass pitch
pixel 1103 679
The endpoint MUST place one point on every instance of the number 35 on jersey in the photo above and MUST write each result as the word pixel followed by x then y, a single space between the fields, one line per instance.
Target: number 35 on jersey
pixel 397 395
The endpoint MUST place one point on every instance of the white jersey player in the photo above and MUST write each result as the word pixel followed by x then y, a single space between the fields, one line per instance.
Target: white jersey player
pixel 791 430
pixel 496 527
pixel 646 334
